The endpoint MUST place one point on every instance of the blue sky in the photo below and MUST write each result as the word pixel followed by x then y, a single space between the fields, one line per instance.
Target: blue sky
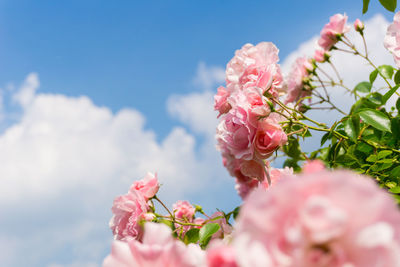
pixel 120 53
pixel 63 157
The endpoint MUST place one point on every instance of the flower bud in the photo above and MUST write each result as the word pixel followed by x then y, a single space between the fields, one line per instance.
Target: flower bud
pixel 321 56
pixel 309 66
pixel 358 25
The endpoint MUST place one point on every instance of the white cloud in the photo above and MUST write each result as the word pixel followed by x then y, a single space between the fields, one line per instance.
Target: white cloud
pixel 65 159
pixel 207 77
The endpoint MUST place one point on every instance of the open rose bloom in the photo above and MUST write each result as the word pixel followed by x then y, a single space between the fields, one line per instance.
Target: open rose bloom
pixel 322 219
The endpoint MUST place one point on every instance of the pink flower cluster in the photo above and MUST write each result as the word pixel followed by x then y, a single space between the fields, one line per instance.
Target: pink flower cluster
pixel 132 208
pixel 392 39
pixel 248 132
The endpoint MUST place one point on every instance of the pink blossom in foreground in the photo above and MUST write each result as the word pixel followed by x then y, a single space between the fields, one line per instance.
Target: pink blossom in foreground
pixel 128 210
pixel 329 34
pixel 148 186
pixel 392 39
pixel 295 85
pixel 358 25
pixel 312 166
pixel 221 101
pixel 158 249
pixel 255 66
pixel 220 255
pixel 324 219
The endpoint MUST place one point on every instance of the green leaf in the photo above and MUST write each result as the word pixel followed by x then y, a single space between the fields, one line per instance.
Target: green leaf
pixel 398 104
pixel 389 4
pixel 397 77
pixel 371 158
pixel 395 173
pixel 352 128
pixel 386 96
pixel 236 212
pixel 384 153
pixel 206 232
pixel 375 98
pixel 395 190
pixel 363 87
pixel 192 236
pixel 376 119
pixel 324 138
pixel 386 71
pixel 365 6
pixel 365 148
pixel 372 76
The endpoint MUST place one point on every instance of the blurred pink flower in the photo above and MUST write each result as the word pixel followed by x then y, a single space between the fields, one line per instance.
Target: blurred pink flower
pixel 312 166
pixel 220 255
pixel 147 187
pixel 333 219
pixel 321 55
pixel 392 39
pixel 158 249
pixel 127 211
pixel 331 31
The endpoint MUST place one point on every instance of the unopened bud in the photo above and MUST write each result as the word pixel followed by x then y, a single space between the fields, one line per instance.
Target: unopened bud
pixel 358 25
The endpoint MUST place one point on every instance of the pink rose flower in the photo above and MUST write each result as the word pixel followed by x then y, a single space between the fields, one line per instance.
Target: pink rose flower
pixel 321 55
pixel 148 186
pixel 221 101
pixel 295 85
pixel 158 249
pixel 220 255
pixel 323 219
pixel 269 137
pixel 127 212
pixel 312 166
pixel 358 25
pixel 329 34
pixel 235 133
pixel 183 210
pixel 255 66
pixel 392 39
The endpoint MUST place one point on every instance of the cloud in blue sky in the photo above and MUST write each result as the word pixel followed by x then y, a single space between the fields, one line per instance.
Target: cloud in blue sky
pixel 65 159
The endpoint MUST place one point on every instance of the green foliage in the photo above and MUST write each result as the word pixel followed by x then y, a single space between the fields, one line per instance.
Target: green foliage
pixel 389 4
pixel 376 119
pixel 365 6
pixel 206 233
pixel 192 236
pixel 363 87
